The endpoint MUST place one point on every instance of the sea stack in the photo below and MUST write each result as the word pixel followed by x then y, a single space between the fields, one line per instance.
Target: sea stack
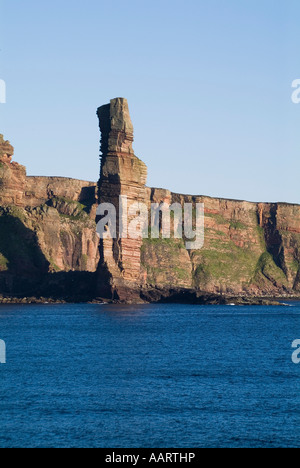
pixel 122 174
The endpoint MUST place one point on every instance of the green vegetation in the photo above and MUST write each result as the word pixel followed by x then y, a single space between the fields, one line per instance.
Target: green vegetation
pixel 173 244
pixel 69 209
pixel 84 260
pixel 182 274
pixel 238 225
pixel 218 218
pixel 53 265
pixel 267 268
pixel 227 266
pixel 14 212
pixel 3 263
pixel 242 260
pixel 214 232
pixel 294 267
pixel 164 261
pixel 261 235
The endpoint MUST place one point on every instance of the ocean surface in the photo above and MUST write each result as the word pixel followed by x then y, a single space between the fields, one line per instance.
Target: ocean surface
pixel 152 376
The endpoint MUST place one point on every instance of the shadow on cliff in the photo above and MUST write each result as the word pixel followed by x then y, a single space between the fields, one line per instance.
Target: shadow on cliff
pixel 24 270
pixel 22 262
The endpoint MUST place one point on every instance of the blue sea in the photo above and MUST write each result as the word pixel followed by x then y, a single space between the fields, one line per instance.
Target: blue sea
pixel 149 376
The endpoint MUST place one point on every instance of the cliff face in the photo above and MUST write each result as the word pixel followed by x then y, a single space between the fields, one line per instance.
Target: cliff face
pixel 49 245
pixel 249 248
pixel 47 228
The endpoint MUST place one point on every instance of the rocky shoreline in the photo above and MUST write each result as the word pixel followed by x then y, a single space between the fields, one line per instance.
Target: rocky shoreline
pixel 179 298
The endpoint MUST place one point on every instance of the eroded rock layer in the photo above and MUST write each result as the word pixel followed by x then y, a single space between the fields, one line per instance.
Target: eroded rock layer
pixel 249 248
pixel 47 229
pixel 49 245
pixel 122 173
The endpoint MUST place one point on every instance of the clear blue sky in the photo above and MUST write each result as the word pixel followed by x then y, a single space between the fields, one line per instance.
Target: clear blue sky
pixel 208 84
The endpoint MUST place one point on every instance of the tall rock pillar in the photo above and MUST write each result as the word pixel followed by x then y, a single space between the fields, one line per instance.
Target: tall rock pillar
pixel 122 174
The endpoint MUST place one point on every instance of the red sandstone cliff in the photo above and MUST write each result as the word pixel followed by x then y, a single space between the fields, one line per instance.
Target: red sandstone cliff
pixel 47 224
pixel 249 248
pixel 49 245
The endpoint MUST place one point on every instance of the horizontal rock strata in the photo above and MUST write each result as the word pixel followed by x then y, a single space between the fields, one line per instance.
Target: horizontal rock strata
pixel 49 245
pixel 47 229
pixel 249 248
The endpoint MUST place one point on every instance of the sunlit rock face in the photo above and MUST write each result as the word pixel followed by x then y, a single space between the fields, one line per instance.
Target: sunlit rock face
pixel 122 173
pixel 12 176
pixel 249 249
pixel 48 230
